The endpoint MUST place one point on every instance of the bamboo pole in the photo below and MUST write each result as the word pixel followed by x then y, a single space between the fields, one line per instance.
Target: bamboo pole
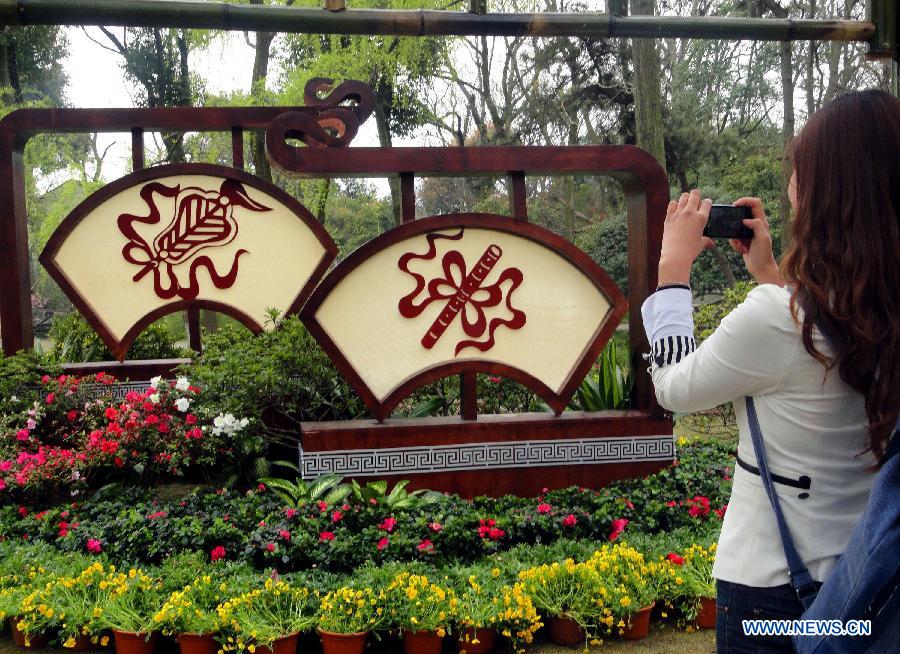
pixel 223 16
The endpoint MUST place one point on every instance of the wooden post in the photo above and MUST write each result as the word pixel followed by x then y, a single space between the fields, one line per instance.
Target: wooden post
pixel 468 396
pixel 518 207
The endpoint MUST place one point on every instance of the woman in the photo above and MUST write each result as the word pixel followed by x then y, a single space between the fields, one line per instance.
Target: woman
pixel 826 408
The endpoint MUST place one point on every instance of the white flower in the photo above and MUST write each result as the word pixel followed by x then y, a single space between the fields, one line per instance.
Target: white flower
pixel 13 399
pixel 154 383
pixel 227 424
pixel 155 398
pixel 182 384
pixel 182 404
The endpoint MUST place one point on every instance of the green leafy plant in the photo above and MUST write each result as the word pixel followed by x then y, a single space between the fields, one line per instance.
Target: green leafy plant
pixel 261 616
pixel 76 341
pixel 327 488
pixel 607 386
pixel 398 498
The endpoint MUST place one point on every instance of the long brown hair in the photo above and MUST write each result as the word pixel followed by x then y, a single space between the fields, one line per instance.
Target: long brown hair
pixel 844 256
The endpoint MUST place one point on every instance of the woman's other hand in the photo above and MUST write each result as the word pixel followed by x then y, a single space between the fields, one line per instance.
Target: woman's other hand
pixel 757 252
pixel 683 237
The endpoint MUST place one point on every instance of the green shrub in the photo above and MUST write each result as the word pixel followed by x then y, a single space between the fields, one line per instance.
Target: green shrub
pixel 277 379
pixel 20 377
pixel 74 341
pixel 708 317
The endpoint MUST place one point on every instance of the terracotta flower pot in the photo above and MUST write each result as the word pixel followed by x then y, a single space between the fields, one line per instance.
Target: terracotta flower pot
pixel 565 631
pixel 422 642
pixel 638 624
pixel 198 644
pixel 706 619
pixel 283 645
pixel 486 639
pixel 35 641
pixel 333 643
pixel 129 642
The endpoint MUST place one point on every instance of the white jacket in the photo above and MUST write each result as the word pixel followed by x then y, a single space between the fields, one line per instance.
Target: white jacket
pixel 811 424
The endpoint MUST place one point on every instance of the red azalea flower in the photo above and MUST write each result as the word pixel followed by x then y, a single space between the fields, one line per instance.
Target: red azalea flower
pixel 618 526
pixel 158 514
pixel 285 534
pixel 111 413
pixel 383 543
pixel 323 506
pixel 152 419
pixel 119 462
pixel 94 546
pixel 191 419
pixel 495 380
pixel 674 558
pixel 721 512
pixel 22 435
pixel 543 507
pixel 425 546
pixel 325 536
pixel 45 379
pixel 217 553
pixel 51 397
pixel 72 415
pixel 628 503
pixel 373 501
pixel 260 488
pixel 336 516
pixel 388 525
pixel 2 484
pixel 23 511
pixel 435 527
pixel 671 503
pixel 496 534
pixel 569 521
pixel 290 513
pixel 270 547
pixel 63 528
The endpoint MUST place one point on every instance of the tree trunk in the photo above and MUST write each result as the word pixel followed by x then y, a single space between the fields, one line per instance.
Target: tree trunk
pixel 648 118
pixel 261 58
pixel 384 139
pixel 724 266
pixel 787 91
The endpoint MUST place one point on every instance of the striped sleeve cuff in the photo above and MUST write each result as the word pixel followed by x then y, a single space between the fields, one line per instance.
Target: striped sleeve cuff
pixel 671 349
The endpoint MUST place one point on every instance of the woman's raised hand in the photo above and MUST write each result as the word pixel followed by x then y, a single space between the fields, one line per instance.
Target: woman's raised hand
pixel 683 237
pixel 757 252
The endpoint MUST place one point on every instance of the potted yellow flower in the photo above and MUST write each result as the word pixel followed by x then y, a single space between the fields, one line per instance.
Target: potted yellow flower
pixel 346 616
pixel 629 588
pixel 569 595
pixel 267 620
pixel 422 609
pixel 697 587
pixel 129 610
pixel 71 604
pixel 190 615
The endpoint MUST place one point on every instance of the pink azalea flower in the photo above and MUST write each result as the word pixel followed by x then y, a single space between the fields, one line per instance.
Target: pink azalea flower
pixel 270 547
pixel 543 507
pixel 217 553
pixel 618 526
pixel 326 536
pixel 435 527
pixel 388 525
pixel 383 543
pixel 336 516
pixel 290 513
pixel 569 521
pixel 425 546
pixel 94 546
pixel 285 534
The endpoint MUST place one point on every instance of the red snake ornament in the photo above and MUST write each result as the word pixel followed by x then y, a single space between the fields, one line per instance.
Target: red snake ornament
pixel 202 219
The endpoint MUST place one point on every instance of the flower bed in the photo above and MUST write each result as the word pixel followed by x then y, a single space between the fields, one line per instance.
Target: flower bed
pixel 69 598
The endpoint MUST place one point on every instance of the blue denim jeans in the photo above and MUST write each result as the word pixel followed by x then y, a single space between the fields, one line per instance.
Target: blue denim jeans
pixel 735 603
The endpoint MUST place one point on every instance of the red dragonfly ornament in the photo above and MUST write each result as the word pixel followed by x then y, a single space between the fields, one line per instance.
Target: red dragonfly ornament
pixel 469 297
pixel 202 219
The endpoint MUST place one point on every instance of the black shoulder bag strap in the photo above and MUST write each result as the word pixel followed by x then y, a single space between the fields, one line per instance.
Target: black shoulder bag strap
pixel 801 580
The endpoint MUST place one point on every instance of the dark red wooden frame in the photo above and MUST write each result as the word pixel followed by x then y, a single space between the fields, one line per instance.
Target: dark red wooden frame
pixel 646 192
pixel 541 236
pixel 95 199
pixel 643 180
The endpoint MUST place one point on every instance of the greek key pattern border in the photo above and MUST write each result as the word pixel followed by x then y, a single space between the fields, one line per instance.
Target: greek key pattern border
pixel 487 456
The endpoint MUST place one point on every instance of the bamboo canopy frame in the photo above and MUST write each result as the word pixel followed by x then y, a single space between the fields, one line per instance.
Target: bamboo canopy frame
pixel 880 31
